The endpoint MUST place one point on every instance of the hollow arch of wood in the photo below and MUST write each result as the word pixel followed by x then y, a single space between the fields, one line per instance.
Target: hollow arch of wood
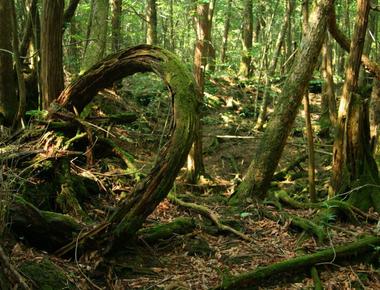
pixel 146 195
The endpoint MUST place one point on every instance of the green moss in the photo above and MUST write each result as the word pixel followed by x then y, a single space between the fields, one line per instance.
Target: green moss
pixel 46 275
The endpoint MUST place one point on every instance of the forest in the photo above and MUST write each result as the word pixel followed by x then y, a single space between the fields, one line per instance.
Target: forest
pixel 189 144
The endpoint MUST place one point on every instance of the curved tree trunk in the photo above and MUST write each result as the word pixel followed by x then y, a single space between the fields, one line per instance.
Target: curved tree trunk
pixel 131 214
pixel 268 153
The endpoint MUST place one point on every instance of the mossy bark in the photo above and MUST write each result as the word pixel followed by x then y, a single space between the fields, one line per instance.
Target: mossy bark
pixel 42 229
pixel 179 226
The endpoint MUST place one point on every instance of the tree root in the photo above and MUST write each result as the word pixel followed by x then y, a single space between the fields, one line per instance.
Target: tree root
pixel 349 210
pixel 300 263
pixel 317 281
pixel 298 222
pixel 210 215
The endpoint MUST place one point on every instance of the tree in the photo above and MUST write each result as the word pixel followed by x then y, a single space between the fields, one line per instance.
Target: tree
pixel 8 97
pixel 97 34
pixel 281 36
pixel 195 166
pixel 226 31
pixel 353 164
pixel 247 34
pixel 151 20
pixel 116 24
pixel 51 50
pixel 269 150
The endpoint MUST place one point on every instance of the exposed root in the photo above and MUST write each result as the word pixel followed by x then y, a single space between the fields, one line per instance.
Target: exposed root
pixel 210 215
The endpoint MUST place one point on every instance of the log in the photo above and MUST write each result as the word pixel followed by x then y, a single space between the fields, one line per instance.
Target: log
pixel 42 229
pixel 301 263
pixel 179 226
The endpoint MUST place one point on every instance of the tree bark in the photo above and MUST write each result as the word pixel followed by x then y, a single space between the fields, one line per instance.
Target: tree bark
pixel 269 150
pixel 151 20
pixel 281 37
pixel 195 166
pixel 20 77
pixel 97 34
pixel 8 98
pixel 51 51
pixel 329 111
pixel 247 33
pixel 226 31
pixel 347 143
pixel 116 24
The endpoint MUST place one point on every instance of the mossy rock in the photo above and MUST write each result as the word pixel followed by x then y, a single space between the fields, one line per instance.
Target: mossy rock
pixel 46 275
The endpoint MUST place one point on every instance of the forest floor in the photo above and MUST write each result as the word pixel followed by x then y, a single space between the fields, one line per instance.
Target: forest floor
pixel 201 258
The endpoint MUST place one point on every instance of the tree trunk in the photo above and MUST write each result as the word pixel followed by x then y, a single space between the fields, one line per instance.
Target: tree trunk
pixel 210 66
pixel 375 115
pixel 349 146
pixel 69 13
pixel 151 20
pixel 247 33
pixel 28 28
pixel 51 51
pixel 116 24
pixel 269 150
pixel 195 166
pixel 329 111
pixel 306 104
pixel 20 77
pixel 172 38
pixel 8 97
pixel 226 31
pixel 280 38
pixel 97 35
pixel 344 42
pixel 310 148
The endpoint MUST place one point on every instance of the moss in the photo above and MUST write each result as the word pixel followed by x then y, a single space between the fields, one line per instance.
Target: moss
pixel 46 275
pixel 179 226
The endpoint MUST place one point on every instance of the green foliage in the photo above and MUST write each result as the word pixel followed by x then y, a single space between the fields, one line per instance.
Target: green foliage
pixel 37 114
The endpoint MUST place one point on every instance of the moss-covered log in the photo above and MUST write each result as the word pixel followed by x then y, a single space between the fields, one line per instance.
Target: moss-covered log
pixel 179 226
pixel 254 277
pixel 149 192
pixel 41 229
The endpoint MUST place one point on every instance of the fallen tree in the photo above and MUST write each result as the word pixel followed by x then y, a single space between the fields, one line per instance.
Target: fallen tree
pixel 305 262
